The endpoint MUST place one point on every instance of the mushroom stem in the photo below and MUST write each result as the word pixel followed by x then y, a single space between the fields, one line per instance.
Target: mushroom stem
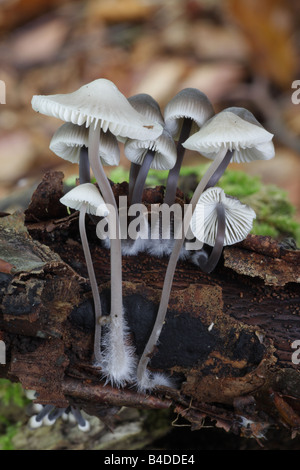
pixel 167 286
pixel 173 175
pixel 55 414
pixel 208 264
pixel 117 362
pixel 46 410
pixel 84 166
pixel 93 282
pixel 219 170
pixel 137 193
pixel 78 416
pixel 222 158
pixel 134 171
pixel 108 196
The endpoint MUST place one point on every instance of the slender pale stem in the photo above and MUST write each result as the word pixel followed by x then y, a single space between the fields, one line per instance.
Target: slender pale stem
pixel 137 193
pixel 173 175
pixel 220 170
pixel 108 196
pixel 207 178
pixel 84 166
pixel 93 282
pixel 116 312
pixel 209 265
pixel 167 286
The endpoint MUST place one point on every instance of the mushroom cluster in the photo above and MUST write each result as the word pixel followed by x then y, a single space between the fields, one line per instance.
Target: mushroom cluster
pixel 98 120
pixel 47 415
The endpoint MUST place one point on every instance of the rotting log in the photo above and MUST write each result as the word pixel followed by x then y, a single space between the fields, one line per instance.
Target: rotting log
pixel 226 343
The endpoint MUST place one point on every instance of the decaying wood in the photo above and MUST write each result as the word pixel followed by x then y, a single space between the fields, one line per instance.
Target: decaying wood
pixel 227 341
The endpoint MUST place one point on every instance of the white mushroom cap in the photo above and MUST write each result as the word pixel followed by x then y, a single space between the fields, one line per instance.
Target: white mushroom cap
pixel 233 129
pixel 188 103
pixel 98 102
pixel 30 394
pixel 204 224
pixel 69 138
pixel 86 193
pixel 36 408
pixel 84 427
pixel 47 421
pixel 164 147
pixel 33 423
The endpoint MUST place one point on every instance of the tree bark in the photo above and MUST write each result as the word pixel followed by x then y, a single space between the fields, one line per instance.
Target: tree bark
pixel 227 343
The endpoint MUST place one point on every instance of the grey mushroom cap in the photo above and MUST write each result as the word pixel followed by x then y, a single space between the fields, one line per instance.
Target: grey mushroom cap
pixel 188 103
pixel 98 102
pixel 233 129
pixel 147 106
pixel 164 148
pixel 239 218
pixel 69 138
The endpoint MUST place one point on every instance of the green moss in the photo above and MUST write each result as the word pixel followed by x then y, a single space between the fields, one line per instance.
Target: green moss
pixel 10 431
pixel 274 213
pixel 119 174
pixel 12 393
pixel 12 404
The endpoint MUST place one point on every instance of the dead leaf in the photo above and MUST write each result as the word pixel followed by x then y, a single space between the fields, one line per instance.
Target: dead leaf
pixel 267 26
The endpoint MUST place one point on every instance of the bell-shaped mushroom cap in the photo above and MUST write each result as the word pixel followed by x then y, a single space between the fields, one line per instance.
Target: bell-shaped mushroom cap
pixel 86 193
pixel 188 103
pixel 98 102
pixel 204 223
pixel 147 106
pixel 69 138
pixel 233 129
pixel 164 148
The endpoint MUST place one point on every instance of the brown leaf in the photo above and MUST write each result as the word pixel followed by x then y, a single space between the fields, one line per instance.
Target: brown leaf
pixel 5 267
pixel 117 11
pixel 44 203
pixel 267 26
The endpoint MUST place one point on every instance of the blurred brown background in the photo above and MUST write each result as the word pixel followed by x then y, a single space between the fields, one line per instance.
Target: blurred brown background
pixel 238 52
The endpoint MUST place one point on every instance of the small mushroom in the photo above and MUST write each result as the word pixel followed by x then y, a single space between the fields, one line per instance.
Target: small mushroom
pixel 86 199
pixel 184 115
pixel 250 136
pixel 49 414
pixel 233 135
pixel 36 421
pixel 219 220
pixel 70 142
